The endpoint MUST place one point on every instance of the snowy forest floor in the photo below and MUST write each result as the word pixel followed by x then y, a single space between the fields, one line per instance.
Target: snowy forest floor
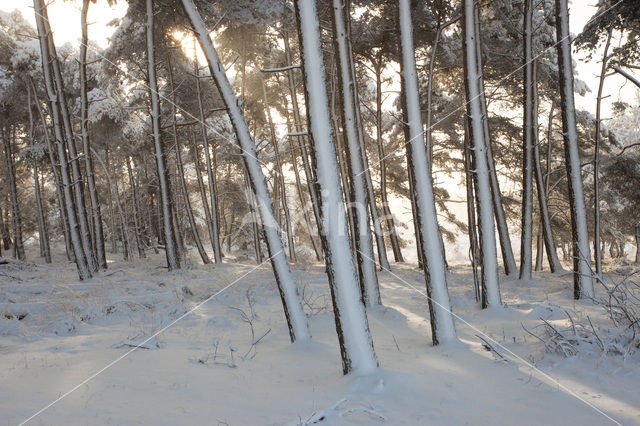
pixel 56 332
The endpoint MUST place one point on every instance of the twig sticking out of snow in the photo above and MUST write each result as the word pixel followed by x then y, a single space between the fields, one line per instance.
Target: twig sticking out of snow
pixel 490 348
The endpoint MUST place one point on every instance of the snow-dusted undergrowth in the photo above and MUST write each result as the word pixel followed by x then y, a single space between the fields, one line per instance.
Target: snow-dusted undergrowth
pixel 230 360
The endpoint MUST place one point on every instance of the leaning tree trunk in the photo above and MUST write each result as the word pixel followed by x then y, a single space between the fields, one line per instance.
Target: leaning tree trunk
pixel 13 195
pixel 96 214
pixel 356 345
pixel 596 161
pixel 435 269
pixel 78 251
pixel 358 189
pixel 171 252
pixel 478 143
pixel 526 237
pixel 78 187
pixel 582 281
pixel 296 319
pixel 56 174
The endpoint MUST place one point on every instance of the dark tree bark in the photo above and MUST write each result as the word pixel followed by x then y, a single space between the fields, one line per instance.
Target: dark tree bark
pixel 96 214
pixel 171 251
pixel 210 211
pixel 582 280
pixel 13 194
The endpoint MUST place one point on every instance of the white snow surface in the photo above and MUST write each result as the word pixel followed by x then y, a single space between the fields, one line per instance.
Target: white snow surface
pixel 70 330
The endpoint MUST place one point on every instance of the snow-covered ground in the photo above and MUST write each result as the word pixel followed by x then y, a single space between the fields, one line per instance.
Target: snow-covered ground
pixel 59 335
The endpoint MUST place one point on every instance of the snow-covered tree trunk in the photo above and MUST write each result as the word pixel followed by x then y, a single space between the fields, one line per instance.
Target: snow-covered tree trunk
pixel 56 173
pixel 96 214
pixel 298 125
pixel 74 159
pixel 582 280
pixel 352 327
pixel 480 166
pixel 358 189
pixel 526 237
pixel 170 241
pixel 542 186
pixel 508 259
pixel 13 194
pixel 79 254
pixel 211 214
pixel 596 160
pixel 291 302
pixel 442 327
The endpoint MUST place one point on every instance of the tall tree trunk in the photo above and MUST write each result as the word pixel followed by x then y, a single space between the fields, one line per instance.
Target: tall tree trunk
pixel 479 143
pixel 342 164
pixel 526 237
pixel 280 177
pixel 112 214
pixel 296 319
pixel 114 189
pixel 55 169
pixel 301 197
pixel 81 261
pixel 542 186
pixel 134 204
pixel 42 225
pixel 381 248
pixel 471 213
pixel 297 122
pixel 347 101
pixel 356 345
pixel 181 177
pixel 582 281
pixel 96 214
pixel 77 183
pixel 211 214
pixel 508 260
pixel 435 270
pixel 637 260
pixel 596 160
pixel 171 252
pixel 391 227
pixel 13 194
